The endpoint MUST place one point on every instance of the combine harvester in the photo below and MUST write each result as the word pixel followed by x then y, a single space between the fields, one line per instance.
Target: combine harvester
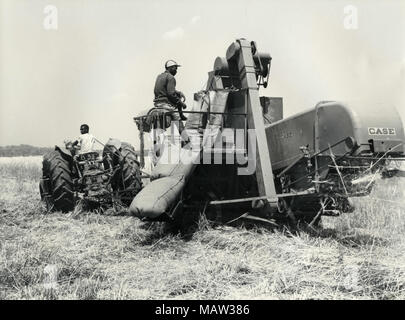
pixel 264 167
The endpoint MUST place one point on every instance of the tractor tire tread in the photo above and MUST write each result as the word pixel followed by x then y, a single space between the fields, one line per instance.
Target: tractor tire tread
pixel 58 171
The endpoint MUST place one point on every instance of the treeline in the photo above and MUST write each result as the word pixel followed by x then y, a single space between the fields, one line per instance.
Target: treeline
pixel 23 150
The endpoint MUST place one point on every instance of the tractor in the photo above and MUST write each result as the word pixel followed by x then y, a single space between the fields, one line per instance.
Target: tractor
pixel 98 180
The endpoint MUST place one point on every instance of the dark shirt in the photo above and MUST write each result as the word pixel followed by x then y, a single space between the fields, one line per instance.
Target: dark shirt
pixel 165 89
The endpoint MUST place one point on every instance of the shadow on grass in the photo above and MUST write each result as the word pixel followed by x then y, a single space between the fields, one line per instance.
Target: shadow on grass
pixel 353 239
pixel 180 229
pixel 186 226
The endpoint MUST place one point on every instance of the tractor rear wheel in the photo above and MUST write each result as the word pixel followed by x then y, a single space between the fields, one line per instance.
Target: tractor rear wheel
pixel 56 188
pixel 130 176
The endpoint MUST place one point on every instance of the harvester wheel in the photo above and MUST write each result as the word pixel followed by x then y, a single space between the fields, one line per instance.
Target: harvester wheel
pixel 56 188
pixel 130 177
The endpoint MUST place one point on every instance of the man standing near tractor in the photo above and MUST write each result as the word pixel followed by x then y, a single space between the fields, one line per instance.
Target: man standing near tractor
pixel 166 95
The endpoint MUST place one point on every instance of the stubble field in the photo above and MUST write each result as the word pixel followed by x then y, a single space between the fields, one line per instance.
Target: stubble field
pixel 92 256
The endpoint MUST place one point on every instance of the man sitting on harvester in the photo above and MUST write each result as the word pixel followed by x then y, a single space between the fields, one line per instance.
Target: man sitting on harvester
pixel 166 95
pixel 168 107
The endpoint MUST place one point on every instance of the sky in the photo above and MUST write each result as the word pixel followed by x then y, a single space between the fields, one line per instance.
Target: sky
pixel 100 64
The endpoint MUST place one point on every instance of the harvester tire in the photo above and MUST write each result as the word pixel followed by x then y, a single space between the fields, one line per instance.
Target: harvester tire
pixel 130 174
pixel 57 187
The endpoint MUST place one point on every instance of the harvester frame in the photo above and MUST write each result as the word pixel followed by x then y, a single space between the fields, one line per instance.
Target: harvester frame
pixel 320 179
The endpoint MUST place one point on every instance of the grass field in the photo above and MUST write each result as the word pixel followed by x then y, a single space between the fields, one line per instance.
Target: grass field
pixel 92 256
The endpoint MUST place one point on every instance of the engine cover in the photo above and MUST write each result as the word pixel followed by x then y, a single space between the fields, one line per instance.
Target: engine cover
pixel 372 128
